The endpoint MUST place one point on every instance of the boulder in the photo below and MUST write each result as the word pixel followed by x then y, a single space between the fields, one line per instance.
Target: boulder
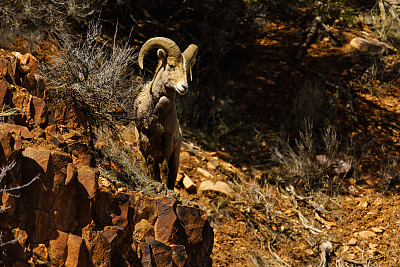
pixel 370 45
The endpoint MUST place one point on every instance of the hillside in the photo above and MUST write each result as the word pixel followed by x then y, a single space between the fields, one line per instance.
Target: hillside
pixel 291 137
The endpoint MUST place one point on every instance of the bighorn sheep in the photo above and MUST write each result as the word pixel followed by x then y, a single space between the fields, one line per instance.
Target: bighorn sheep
pixel 159 133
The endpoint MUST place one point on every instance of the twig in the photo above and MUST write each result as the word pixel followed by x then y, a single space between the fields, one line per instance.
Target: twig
pixel 326 249
pixel 313 31
pixel 20 186
pixel 279 259
pixel 382 10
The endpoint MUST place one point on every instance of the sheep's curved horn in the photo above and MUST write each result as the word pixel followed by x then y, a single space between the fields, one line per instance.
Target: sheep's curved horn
pixel 190 57
pixel 166 44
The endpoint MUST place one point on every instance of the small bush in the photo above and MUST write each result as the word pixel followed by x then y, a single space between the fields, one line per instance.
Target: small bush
pixel 387 26
pixel 92 77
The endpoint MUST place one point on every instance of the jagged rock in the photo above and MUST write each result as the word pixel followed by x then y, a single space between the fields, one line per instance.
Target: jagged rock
pixel 121 216
pixel 370 46
pixel 145 254
pixel 179 256
pixel 72 174
pixel 8 67
pixel 38 132
pixel 193 221
pixel 20 250
pixel 39 160
pixel 161 253
pixel 40 251
pixel 6 144
pixel 199 235
pixel 58 248
pixel 17 129
pixel 43 226
pixel 54 136
pixel 76 252
pixel 39 111
pixel 144 208
pixel 189 185
pixel 88 178
pixel 142 230
pixel 5 93
pixel 27 60
pixel 165 226
pixel 98 247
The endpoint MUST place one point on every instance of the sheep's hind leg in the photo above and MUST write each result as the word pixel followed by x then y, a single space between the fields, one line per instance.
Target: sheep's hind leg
pixel 164 173
pixel 173 167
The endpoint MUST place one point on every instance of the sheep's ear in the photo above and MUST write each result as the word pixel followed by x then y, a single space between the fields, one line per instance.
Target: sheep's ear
pixel 162 55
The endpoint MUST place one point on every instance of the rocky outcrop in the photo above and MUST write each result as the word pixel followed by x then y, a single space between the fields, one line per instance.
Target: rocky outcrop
pixel 68 215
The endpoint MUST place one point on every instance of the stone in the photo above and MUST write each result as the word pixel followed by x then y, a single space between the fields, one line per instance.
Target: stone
pixel 179 177
pixel 110 235
pixel 121 218
pixel 145 254
pixel 184 155
pixel 144 208
pixel 341 168
pixel 40 157
pixel 99 249
pixel 366 234
pixel 40 251
pixel 88 178
pixel 5 93
pixel 223 188
pixel 6 145
pixel 38 110
pixel 370 45
pixel 192 219
pixel 223 155
pixel 38 133
pixel 211 166
pixel 54 136
pixel 58 248
pixel 352 242
pixel 76 252
pixel 27 60
pixel 204 172
pixel 377 230
pixel 19 249
pixel 142 230
pixel 206 185
pixel 17 129
pixel 179 256
pixel 72 174
pixel 189 185
pixel 161 253
pixel 218 187
pixel 43 226
pixel 165 227
pixel 60 162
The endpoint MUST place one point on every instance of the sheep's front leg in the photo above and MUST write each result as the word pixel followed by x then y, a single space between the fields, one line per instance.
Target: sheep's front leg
pixel 162 105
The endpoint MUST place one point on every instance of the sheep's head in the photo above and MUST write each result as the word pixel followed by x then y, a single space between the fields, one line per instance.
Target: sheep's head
pixel 175 65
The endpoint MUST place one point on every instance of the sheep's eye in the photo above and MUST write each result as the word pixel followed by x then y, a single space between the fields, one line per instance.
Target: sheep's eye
pixel 171 66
